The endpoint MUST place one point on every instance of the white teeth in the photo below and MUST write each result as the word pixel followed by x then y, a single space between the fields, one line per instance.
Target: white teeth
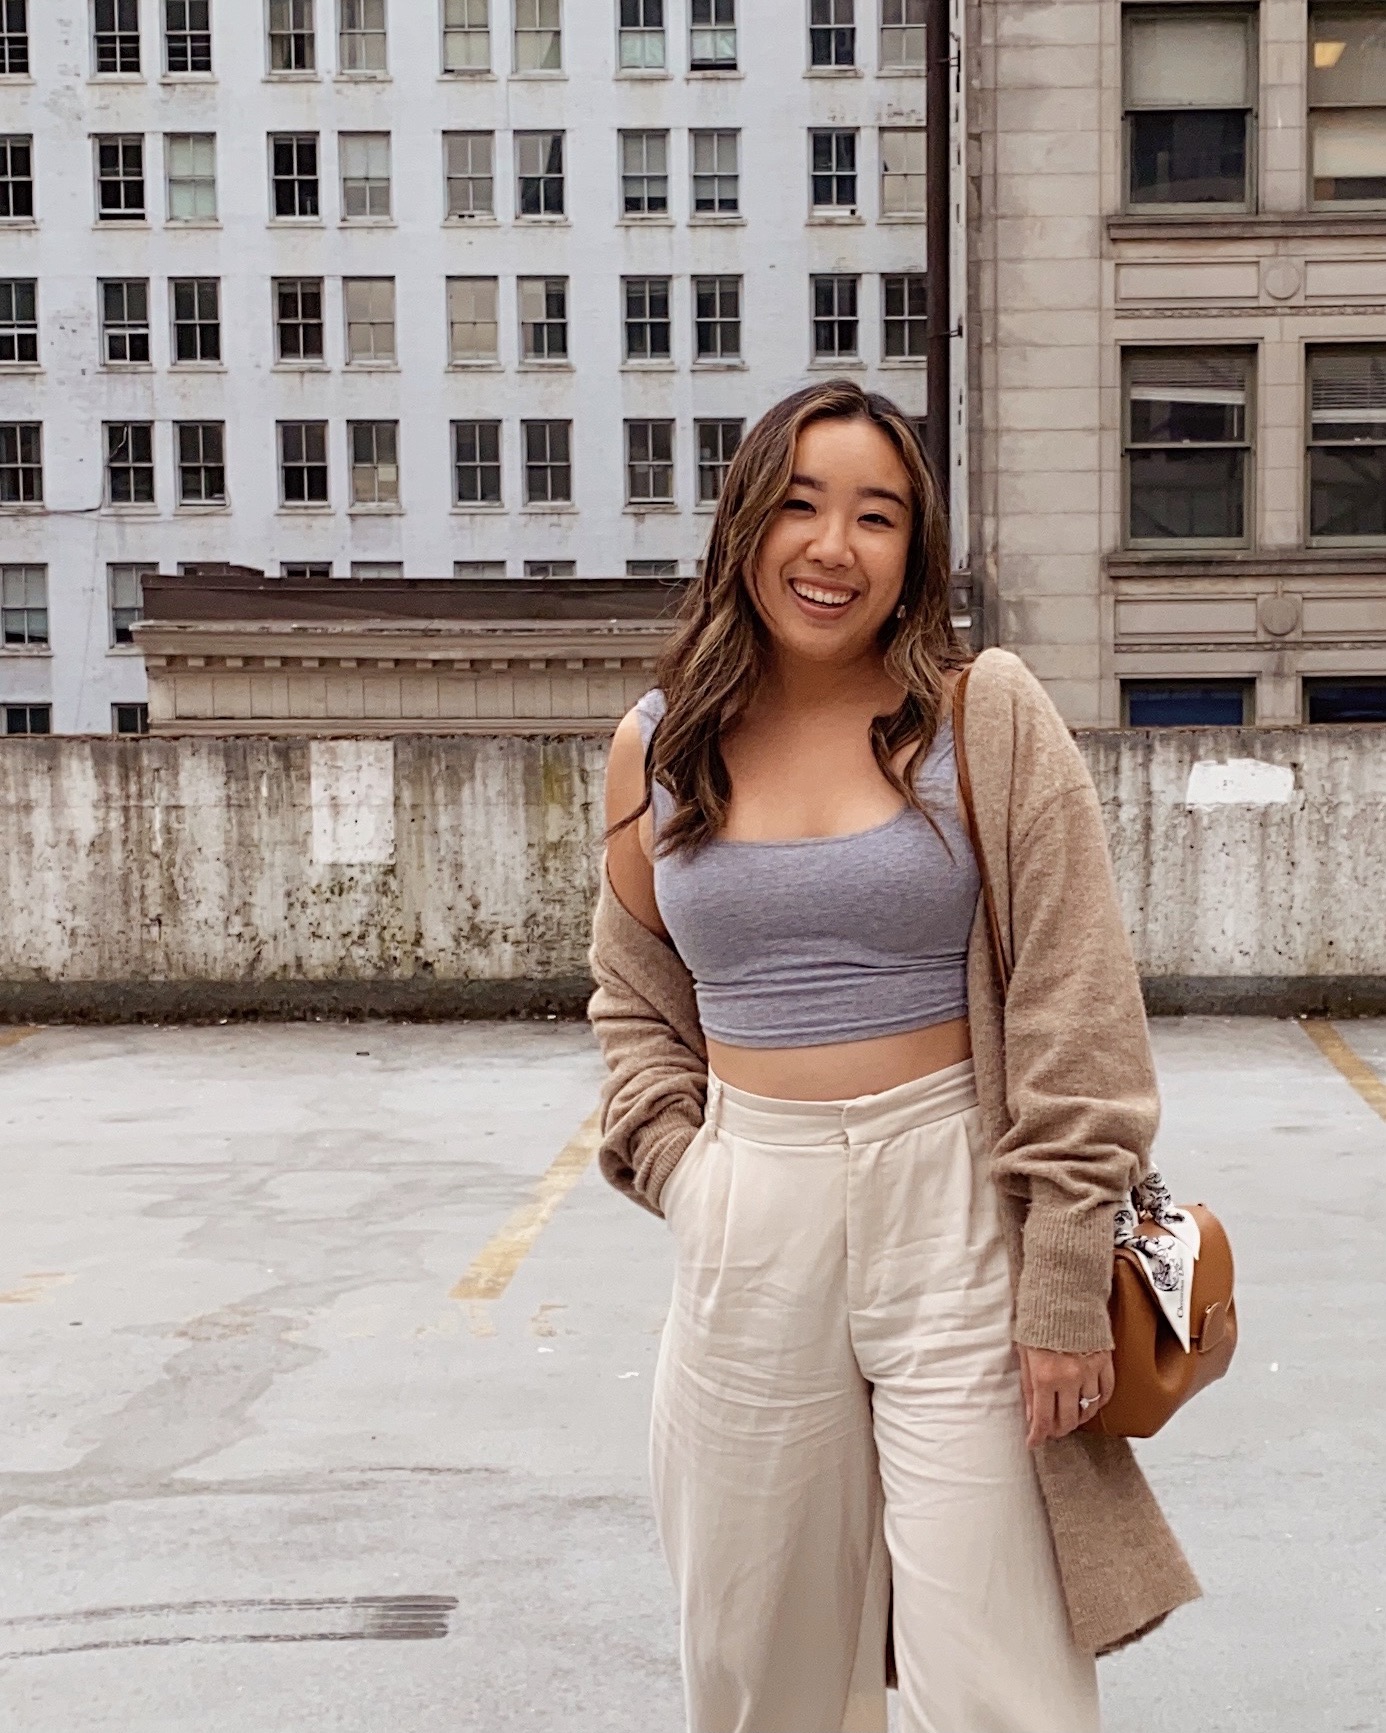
pixel 829 598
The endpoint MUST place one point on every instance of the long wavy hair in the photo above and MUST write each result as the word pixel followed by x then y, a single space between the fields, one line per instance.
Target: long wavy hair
pixel 720 648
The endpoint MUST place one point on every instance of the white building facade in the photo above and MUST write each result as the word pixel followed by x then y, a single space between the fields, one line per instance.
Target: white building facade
pixel 478 286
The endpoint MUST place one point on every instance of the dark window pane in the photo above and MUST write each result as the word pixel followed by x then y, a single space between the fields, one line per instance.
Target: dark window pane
pixel 1187 495
pixel 1184 420
pixel 1347 492
pixel 1345 700
pixel 1185 704
pixel 1188 157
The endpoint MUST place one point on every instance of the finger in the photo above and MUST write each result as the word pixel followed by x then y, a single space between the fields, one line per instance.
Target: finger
pixel 1027 1389
pixel 1043 1421
pixel 1106 1379
pixel 1067 1411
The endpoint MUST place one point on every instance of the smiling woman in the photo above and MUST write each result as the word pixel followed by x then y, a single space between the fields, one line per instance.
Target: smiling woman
pixel 892 1266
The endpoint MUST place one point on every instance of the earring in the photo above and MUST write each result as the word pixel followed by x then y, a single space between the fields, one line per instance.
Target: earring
pixel 900 612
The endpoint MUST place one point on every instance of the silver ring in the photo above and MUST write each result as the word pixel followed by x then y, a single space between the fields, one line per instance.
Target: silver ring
pixel 1086 1402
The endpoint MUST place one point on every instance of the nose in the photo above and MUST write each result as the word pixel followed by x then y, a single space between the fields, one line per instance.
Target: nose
pixel 830 545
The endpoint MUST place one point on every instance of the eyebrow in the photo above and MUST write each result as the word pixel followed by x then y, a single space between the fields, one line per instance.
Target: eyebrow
pixel 862 492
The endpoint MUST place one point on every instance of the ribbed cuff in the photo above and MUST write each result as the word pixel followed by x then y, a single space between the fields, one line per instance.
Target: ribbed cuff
pixel 664 1139
pixel 1065 1278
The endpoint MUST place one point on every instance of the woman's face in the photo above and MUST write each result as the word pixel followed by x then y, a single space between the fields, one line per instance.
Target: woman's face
pixel 832 566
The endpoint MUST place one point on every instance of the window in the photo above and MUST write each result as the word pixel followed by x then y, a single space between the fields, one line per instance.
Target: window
pixel 550 568
pixel 196 319
pixel 125 588
pixel 543 318
pixel 24 607
pixel 370 315
pixel 305 568
pixel 645 173
pixel 1187 703
pixel 377 569
pixel 717 318
pixel 649 463
pixel 1188 108
pixel 902 35
pixel 129 463
pixel 21 463
pixel 125 322
pixel 652 568
pixel 834 176
pixel 902 171
pixel 835 318
pixel 16 178
pixel 365 160
pixel 548 462
pixel 489 569
pixel 1347 103
pixel 1347 444
pixel 201 462
pixel 18 322
pixel 116 35
pixel 717 443
pixel 303 463
pixel 294 173
pixel 647 324
pixel 14 37
pixel 470 179
pixel 298 324
pixel 293 42
pixel 539 174
pixel 473 324
pixel 1351 700
pixel 129 718
pixel 712 36
pixel 187 35
pixel 832 36
pixel 1188 436
pixel 716 173
pixel 466 36
pixel 361 36
pixel 374 462
pixel 191 161
pixel 476 463
pixel 641 35
pixel 28 719
pixel 120 179
pixel 905 325
pixel 538 36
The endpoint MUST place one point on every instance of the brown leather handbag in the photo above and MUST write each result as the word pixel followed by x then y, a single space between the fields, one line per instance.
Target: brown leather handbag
pixel 1155 1373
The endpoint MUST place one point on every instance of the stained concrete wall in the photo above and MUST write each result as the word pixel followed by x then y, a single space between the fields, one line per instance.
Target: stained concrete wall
pixel 431 876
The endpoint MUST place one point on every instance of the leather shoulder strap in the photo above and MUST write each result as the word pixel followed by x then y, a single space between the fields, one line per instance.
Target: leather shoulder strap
pixel 970 815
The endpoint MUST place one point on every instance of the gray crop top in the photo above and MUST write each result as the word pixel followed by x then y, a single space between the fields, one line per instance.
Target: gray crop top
pixel 825 939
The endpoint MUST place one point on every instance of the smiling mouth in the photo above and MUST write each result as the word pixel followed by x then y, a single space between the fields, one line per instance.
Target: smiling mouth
pixel 821 595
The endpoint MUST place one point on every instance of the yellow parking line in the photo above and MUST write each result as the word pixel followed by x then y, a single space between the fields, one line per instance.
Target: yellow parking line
pixel 1358 1073
pixel 12 1037
pixel 490 1271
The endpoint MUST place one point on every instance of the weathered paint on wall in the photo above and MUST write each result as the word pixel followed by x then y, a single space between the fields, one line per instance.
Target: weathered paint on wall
pixel 444 875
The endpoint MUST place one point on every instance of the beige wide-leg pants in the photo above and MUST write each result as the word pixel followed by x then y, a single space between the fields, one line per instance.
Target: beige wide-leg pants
pixel 837 1409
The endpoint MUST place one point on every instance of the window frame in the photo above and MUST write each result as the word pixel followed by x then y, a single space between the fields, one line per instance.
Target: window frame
pixel 209 349
pixel 464 30
pixel 635 319
pixel 718 319
pixel 547 356
pixel 297 179
pixel 292 39
pixel 709 29
pixel 549 464
pixel 197 181
pixel 643 178
pixel 1315 351
pixel 1312 108
pixel 714 135
pixel 915 141
pixel 134 466
pixel 469 179
pixel 645 34
pixel 835 210
pixel 17 189
pixel 705 465
pixel 347 143
pixel 123 216
pixel 138 570
pixel 297 286
pixel 30 640
pixel 1249 356
pixel 383 500
pixel 535 31
pixel 544 178
pixel 894 68
pixel 364 35
pixel 192 39
pixel 649 460
pixel 839 280
pixel 830 37
pixel 491 358
pixel 911 283
pixel 27 464
pixel 483 465
pixel 30 711
pixel 14 329
pixel 208 464
pixel 116 40
pixel 308 464
pixel 126 326
pixel 1250 18
pixel 376 360
pixel 14 39
pixel 1244 686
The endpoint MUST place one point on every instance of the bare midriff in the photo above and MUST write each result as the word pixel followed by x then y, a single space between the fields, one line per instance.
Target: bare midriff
pixel 840 1070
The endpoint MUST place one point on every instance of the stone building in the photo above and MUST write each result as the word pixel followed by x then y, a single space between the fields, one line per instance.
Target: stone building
pixel 1177 340
pixel 419 288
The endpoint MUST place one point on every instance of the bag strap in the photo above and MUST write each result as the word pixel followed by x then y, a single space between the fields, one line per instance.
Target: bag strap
pixel 970 814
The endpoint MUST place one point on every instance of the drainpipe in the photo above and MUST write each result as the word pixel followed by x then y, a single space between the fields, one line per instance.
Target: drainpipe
pixel 939 239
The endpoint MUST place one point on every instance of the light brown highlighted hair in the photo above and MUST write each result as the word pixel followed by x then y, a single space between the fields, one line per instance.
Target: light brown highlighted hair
pixel 720 647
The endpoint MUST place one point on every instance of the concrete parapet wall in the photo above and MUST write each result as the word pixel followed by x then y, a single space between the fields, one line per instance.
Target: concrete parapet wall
pixel 452 876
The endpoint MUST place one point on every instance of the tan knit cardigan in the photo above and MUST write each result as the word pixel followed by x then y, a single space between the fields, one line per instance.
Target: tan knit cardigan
pixel 1067 1093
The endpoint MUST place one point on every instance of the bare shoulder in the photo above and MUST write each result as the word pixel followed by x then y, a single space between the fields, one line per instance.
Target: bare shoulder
pixel 625 768
pixel 628 851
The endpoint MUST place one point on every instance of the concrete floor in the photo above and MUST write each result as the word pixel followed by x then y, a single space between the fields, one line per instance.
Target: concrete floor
pixel 247 1440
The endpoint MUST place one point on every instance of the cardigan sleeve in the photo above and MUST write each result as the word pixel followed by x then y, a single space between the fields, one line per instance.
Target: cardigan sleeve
pixel 645 1017
pixel 1080 1079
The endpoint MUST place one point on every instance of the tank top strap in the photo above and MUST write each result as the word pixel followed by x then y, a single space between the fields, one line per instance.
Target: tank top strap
pixel 649 711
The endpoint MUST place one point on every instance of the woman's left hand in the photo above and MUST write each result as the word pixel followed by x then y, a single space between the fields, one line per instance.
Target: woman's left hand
pixel 1055 1383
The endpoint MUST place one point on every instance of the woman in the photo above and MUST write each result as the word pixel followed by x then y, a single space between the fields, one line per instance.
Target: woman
pixel 892 1207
